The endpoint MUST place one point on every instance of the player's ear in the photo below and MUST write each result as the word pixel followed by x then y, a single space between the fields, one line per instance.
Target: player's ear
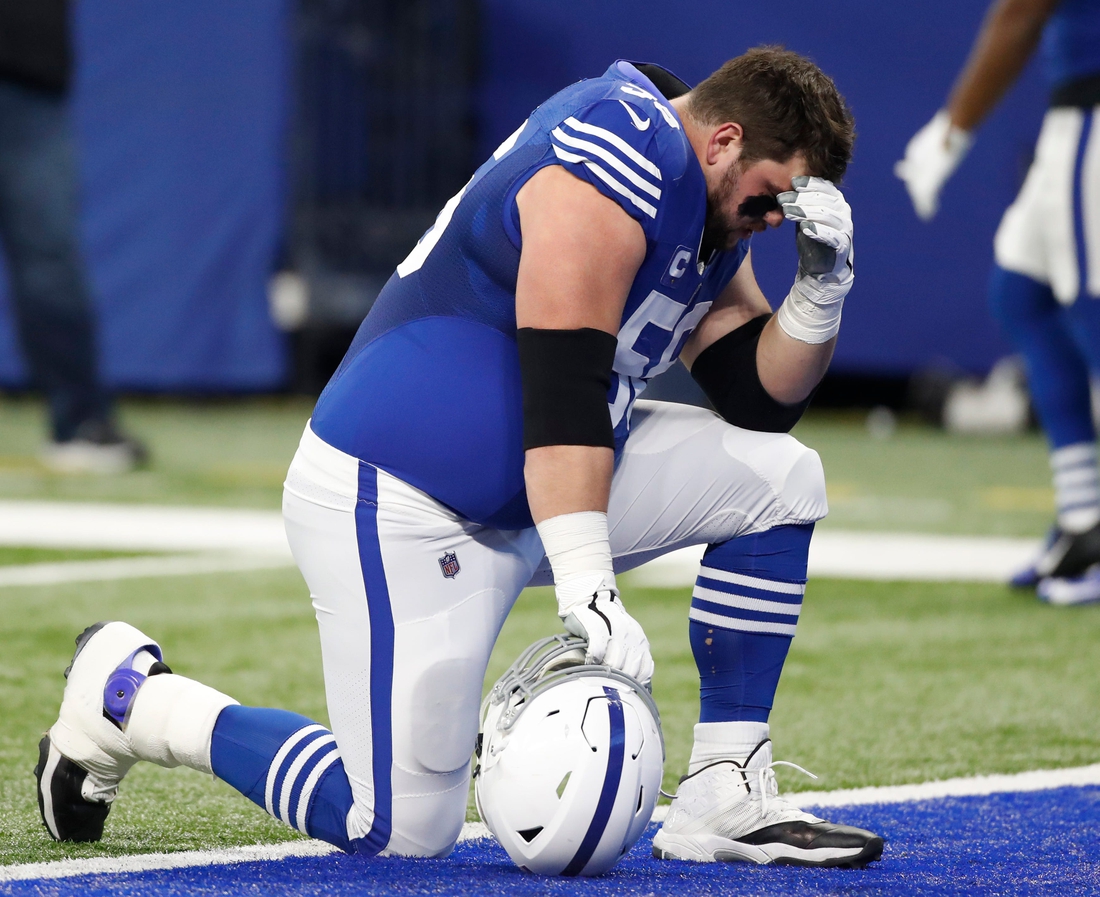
pixel 727 138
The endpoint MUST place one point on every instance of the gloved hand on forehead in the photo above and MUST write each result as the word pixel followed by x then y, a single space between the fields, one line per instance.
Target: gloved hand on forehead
pixel 811 312
pixel 824 221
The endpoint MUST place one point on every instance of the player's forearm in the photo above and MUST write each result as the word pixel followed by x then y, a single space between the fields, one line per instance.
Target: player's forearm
pixel 789 369
pixel 1008 37
pixel 565 479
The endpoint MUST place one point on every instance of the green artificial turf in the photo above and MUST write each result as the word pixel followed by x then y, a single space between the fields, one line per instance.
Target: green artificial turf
pixel 235 452
pixel 229 452
pixel 886 683
pixel 920 479
pixel 10 556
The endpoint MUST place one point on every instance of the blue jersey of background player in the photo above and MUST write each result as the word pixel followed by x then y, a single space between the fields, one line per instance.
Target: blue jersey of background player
pixel 430 389
pixel 1070 45
pixel 1047 253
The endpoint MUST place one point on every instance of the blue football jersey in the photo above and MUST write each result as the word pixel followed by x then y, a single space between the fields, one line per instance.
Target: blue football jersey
pixel 1071 42
pixel 430 387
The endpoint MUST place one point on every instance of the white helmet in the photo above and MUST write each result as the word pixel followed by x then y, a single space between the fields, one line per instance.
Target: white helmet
pixel 571 760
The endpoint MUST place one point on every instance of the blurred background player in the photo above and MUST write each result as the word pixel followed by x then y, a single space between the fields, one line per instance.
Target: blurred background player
pixel 39 229
pixel 1046 281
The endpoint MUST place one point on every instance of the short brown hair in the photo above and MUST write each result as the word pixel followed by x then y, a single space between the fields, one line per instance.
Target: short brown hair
pixel 785 104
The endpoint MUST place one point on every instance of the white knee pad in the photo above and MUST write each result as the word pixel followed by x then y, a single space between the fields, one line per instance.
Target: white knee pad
pixel 446 701
pixel 172 720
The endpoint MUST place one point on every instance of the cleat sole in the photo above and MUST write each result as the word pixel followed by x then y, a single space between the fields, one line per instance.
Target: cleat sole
pixel 723 850
pixel 64 812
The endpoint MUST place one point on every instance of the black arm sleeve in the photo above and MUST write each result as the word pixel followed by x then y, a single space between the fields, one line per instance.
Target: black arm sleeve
pixel 566 375
pixel 726 371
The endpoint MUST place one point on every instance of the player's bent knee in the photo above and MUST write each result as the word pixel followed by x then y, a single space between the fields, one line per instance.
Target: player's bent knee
pixel 793 471
pixel 446 698
pixel 804 487
pixel 428 813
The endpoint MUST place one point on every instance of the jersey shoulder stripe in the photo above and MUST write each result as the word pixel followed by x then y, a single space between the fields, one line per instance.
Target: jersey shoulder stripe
pixel 646 207
pixel 594 149
pixel 617 142
pixel 618 147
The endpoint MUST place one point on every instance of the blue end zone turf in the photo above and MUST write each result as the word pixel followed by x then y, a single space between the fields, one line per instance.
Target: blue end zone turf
pixel 1045 842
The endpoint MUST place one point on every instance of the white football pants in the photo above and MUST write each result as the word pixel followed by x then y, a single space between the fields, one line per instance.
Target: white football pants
pixel 1051 233
pixel 407 629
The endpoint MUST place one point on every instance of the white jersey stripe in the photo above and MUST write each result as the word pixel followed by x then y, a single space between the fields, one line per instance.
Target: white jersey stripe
pixel 510 141
pixel 752 582
pixel 296 770
pixel 701 616
pixel 622 400
pixel 744 603
pixel 616 141
pixel 619 188
pixel 280 756
pixel 610 158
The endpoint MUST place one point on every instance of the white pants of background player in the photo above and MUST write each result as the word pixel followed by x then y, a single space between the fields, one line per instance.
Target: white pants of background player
pixel 1051 233
pixel 405 647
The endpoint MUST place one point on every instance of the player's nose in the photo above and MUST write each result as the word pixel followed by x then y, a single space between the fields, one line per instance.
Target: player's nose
pixel 774 218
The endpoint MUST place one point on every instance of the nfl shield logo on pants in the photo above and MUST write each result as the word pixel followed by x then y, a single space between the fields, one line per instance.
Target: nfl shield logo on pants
pixel 449 565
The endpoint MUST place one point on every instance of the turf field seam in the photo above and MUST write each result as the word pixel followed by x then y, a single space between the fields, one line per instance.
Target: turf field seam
pixel 971 786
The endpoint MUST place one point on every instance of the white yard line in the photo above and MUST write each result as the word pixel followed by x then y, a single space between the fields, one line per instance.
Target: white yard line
pixel 45 524
pixel 971 786
pixel 833 553
pixel 877 556
pixel 137 568
pixel 975 786
pixel 151 861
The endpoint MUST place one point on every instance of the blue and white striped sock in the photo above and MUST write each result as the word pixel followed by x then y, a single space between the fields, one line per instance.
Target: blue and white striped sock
pixel 288 765
pixel 1076 486
pixel 744 610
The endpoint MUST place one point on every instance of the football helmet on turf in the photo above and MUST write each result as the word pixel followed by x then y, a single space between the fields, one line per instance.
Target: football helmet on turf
pixel 571 756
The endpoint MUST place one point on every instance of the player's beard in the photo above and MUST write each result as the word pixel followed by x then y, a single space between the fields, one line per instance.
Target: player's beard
pixel 720 230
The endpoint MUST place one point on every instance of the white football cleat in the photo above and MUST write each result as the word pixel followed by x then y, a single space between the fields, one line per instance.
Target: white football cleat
pixel 731 811
pixel 85 754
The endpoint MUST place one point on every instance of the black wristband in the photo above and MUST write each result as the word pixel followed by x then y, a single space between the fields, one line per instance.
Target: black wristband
pixel 566 375
pixel 726 371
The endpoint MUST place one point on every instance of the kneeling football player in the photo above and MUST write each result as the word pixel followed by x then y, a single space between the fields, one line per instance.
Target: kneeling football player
pixel 484 433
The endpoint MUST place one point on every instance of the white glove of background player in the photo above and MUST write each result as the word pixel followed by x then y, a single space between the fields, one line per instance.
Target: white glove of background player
pixel 931 157
pixel 592 610
pixel 811 311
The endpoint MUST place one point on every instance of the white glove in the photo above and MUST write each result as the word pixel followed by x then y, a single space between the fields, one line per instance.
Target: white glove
pixel 811 311
pixel 588 602
pixel 614 637
pixel 931 157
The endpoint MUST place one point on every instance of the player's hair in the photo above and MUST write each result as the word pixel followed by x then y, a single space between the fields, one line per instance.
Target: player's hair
pixel 785 104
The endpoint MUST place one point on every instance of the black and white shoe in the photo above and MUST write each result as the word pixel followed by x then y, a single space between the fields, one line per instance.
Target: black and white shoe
pixel 1070 554
pixel 731 811
pixel 1028 577
pixel 85 754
